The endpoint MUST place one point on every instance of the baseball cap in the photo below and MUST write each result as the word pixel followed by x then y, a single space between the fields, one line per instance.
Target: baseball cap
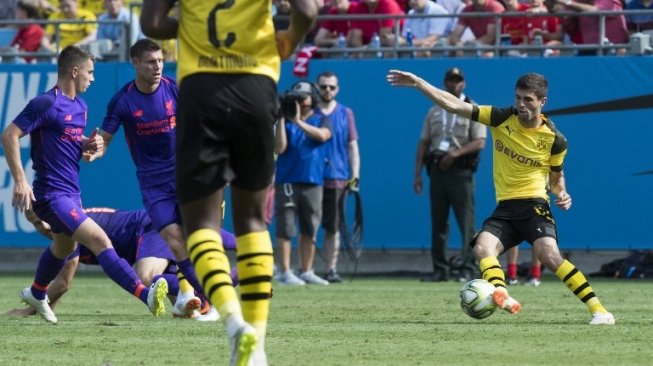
pixel 454 72
pixel 303 87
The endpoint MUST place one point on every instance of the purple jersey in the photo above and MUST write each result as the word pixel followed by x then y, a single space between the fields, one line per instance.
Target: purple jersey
pixel 149 121
pixel 56 125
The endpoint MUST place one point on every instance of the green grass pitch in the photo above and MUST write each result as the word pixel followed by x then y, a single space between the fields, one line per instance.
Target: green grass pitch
pixel 370 321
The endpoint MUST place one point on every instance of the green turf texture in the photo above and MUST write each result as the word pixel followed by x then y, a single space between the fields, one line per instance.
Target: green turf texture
pixel 370 321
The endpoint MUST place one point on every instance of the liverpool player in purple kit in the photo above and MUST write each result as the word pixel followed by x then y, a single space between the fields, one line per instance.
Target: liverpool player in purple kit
pixel 135 240
pixel 146 107
pixel 55 121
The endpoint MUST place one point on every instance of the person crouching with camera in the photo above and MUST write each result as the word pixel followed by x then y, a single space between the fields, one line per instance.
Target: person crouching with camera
pixel 449 148
pixel 300 138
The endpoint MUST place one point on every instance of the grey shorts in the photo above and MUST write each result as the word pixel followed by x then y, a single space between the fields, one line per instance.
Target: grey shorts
pixel 301 201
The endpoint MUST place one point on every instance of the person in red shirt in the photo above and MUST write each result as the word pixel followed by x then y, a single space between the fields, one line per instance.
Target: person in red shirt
pixel 363 30
pixel 482 27
pixel 330 29
pixel 28 38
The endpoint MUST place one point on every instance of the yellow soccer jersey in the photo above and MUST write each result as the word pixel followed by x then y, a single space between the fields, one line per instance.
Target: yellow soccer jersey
pixel 72 33
pixel 522 157
pixel 227 37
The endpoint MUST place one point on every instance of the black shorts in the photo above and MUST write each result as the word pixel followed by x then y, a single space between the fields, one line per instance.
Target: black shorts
pixel 225 133
pixel 330 211
pixel 514 221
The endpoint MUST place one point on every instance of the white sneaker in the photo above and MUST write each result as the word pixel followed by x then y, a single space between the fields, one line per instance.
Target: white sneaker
pixel 602 319
pixel 242 345
pixel 289 278
pixel 156 297
pixel 211 316
pixel 310 278
pixel 259 358
pixel 185 307
pixel 533 282
pixel 41 306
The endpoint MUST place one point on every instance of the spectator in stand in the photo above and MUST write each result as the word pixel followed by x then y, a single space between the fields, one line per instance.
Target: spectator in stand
pixel 282 16
pixel 70 33
pixel 29 36
pixel 363 30
pixel 588 26
pixel 516 26
pixel 425 31
pixel 7 9
pixel 330 29
pixel 96 7
pixel 547 26
pixel 483 28
pixel 115 10
pixel 639 22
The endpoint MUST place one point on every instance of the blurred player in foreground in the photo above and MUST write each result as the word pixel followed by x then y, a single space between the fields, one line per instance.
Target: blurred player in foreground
pixel 527 159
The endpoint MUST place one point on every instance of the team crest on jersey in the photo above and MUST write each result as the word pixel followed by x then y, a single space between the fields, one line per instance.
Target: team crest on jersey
pixel 68 117
pixel 74 214
pixel 541 144
pixel 169 108
pixel 138 113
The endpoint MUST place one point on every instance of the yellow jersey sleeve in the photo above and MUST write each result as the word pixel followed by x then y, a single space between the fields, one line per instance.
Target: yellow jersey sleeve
pixel 227 37
pixel 491 116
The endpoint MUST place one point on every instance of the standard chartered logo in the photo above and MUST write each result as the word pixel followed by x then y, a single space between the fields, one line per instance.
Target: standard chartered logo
pixel 501 148
pixel 16 88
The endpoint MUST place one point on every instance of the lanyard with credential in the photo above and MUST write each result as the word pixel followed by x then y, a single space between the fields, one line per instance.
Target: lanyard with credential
pixel 447 132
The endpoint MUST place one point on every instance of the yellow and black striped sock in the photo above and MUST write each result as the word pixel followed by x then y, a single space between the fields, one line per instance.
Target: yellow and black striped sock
pixel 184 286
pixel 255 262
pixel 212 268
pixel 492 272
pixel 576 282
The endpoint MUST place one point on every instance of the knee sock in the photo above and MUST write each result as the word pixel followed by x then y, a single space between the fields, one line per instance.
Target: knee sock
pixel 186 268
pixel 255 262
pixel 536 272
pixel 212 267
pixel 122 273
pixel 492 272
pixel 576 282
pixel 512 270
pixel 228 240
pixel 47 269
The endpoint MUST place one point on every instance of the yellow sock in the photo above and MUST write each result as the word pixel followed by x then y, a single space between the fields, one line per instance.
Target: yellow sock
pixel 212 268
pixel 492 272
pixel 576 282
pixel 184 286
pixel 255 262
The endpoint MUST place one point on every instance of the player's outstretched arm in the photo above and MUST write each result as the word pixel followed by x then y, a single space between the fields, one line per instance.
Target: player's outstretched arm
pixel 444 99
pixel 23 195
pixel 302 17
pixel 155 21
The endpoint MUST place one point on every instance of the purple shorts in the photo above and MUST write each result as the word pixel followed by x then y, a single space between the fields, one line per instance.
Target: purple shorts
pixel 63 213
pixel 152 245
pixel 161 205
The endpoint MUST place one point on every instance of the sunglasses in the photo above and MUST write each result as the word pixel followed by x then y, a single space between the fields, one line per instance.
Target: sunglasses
pixel 330 87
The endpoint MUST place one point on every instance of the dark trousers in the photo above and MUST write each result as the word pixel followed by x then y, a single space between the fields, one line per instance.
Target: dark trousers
pixel 451 189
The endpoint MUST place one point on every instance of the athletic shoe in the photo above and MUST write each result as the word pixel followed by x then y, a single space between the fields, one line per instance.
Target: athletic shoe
pixel 211 316
pixel 41 306
pixel 533 282
pixel 311 278
pixel 333 277
pixel 185 307
pixel 259 358
pixel 242 345
pixel 156 297
pixel 289 278
pixel 504 301
pixel 513 281
pixel 602 319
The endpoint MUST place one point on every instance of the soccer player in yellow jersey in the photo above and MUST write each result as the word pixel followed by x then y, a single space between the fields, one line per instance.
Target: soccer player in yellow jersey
pixel 229 63
pixel 528 155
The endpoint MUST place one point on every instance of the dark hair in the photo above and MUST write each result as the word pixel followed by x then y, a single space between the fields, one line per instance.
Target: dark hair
pixel 533 82
pixel 70 57
pixel 141 46
pixel 31 8
pixel 326 74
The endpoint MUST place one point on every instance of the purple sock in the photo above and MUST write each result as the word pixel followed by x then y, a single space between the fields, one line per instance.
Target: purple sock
pixel 186 267
pixel 173 282
pixel 121 273
pixel 47 269
pixel 228 240
pixel 234 275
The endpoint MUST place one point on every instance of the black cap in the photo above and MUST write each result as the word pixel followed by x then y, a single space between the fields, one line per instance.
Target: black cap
pixel 454 73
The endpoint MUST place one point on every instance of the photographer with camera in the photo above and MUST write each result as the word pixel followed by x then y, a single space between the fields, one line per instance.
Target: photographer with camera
pixel 299 179
pixel 449 148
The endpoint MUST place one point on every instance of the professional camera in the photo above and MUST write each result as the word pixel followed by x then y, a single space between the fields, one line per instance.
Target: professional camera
pixel 288 103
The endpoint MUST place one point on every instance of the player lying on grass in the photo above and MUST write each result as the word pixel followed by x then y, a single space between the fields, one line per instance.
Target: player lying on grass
pixel 136 241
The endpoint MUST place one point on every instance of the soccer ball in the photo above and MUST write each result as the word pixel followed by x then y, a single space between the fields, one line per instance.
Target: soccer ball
pixel 476 299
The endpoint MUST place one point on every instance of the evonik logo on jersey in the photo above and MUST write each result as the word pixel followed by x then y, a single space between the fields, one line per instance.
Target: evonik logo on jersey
pixel 500 147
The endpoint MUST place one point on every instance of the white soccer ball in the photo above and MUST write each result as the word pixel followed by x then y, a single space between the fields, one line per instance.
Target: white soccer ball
pixel 476 299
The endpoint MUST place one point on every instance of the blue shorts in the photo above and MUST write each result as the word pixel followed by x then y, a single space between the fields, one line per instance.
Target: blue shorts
pixel 161 204
pixel 63 213
pixel 151 244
